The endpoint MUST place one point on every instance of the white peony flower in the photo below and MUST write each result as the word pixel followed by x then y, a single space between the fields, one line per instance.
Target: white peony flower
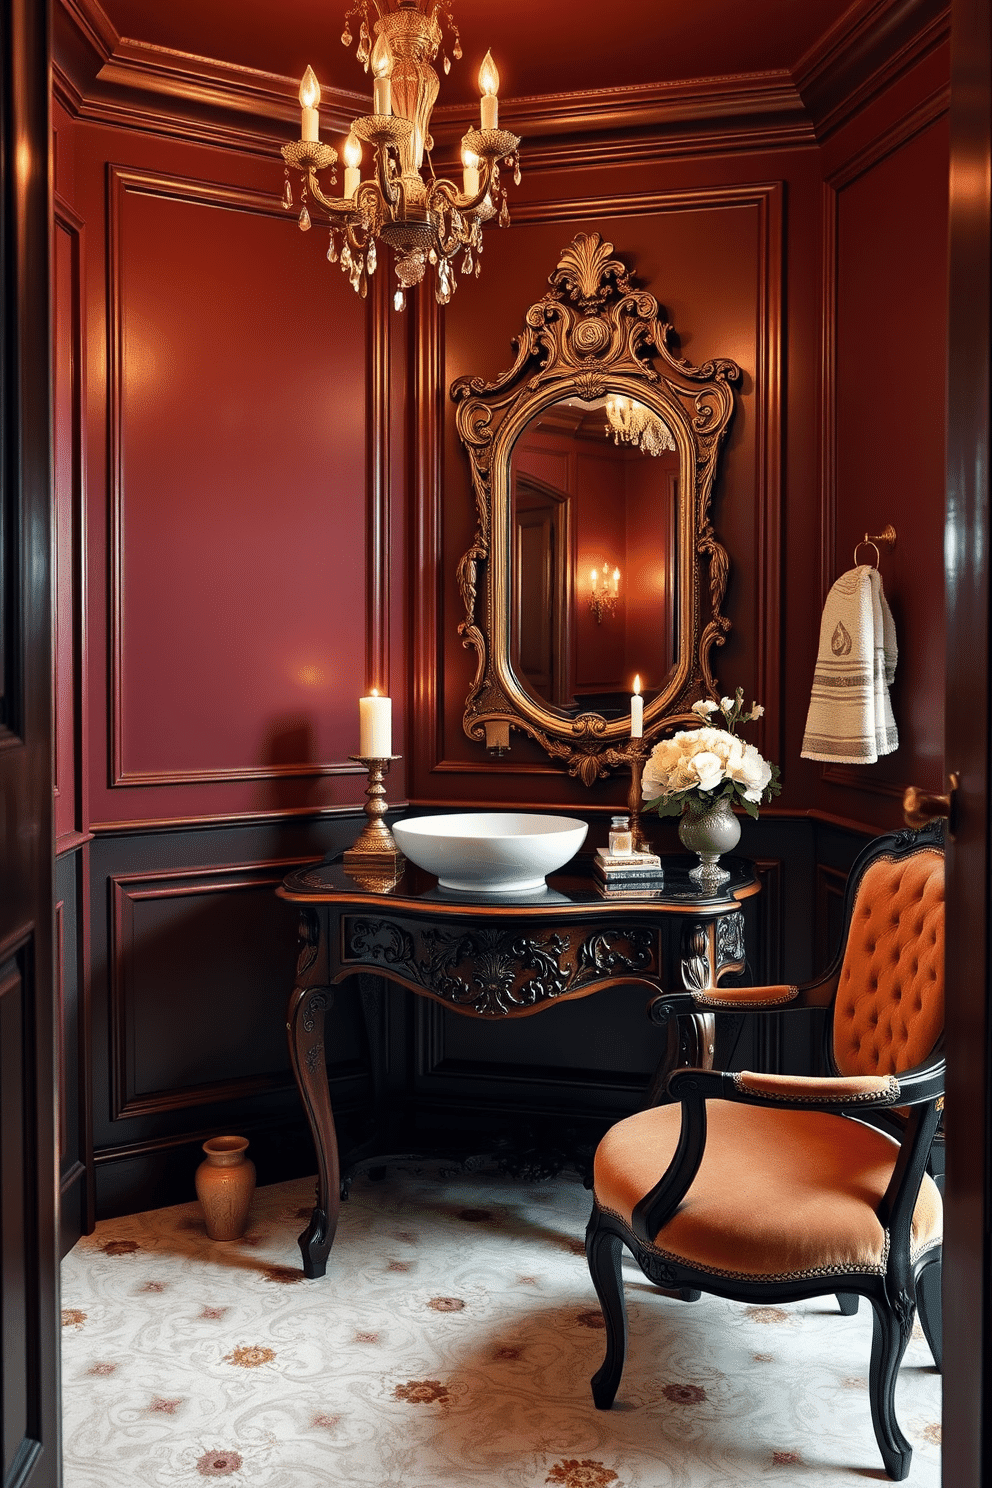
pixel 704 708
pixel 756 773
pixel 708 769
pixel 727 704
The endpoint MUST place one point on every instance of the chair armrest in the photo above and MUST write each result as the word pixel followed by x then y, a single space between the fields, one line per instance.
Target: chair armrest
pixel 745 997
pixel 847 1094
pixel 819 1090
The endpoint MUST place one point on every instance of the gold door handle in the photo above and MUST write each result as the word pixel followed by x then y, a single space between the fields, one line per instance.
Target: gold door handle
pixel 920 807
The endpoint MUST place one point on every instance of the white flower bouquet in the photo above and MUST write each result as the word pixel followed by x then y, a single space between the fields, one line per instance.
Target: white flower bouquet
pixel 708 764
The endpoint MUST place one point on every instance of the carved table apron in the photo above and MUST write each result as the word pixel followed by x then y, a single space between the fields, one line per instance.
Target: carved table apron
pixel 499 956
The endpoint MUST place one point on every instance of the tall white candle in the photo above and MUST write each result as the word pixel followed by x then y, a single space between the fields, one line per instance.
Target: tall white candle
pixel 352 164
pixel 636 712
pixel 470 172
pixel 489 87
pixel 375 720
pixel 381 63
pixel 309 102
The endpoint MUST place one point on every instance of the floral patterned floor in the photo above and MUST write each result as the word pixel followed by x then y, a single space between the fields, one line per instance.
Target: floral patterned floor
pixel 451 1342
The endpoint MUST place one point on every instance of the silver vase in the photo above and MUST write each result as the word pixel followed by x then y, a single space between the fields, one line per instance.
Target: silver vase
pixel 708 831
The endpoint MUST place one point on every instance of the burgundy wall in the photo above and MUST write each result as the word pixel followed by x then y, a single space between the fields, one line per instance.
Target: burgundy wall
pixel 263 501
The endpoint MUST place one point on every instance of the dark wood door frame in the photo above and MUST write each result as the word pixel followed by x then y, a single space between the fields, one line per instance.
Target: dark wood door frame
pixel 29 1404
pixel 967 1428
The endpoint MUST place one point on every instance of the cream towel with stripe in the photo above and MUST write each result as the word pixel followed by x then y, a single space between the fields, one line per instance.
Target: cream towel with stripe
pixel 850 717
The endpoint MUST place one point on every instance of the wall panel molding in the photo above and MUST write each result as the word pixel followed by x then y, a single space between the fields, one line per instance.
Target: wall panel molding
pixel 831 886
pixel 127 893
pixel 832 554
pixel 123 183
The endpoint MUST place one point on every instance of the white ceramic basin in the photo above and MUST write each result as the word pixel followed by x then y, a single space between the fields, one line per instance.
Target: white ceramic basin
pixel 490 852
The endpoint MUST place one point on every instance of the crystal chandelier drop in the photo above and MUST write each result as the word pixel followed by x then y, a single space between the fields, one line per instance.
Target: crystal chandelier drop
pixel 632 423
pixel 424 222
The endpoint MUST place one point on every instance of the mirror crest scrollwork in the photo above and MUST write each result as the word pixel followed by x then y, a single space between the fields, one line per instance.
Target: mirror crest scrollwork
pixel 599 443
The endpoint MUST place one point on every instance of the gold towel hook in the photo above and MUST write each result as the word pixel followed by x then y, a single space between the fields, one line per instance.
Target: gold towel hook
pixel 868 541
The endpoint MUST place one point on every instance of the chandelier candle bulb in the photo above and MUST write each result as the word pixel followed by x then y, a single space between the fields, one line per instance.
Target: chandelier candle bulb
pixel 309 103
pixel 352 164
pixel 382 66
pixel 489 87
pixel 637 711
pixel 375 720
pixel 470 172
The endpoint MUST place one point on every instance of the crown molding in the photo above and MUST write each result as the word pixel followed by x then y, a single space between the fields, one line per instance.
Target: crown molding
pixel 865 52
pixel 106 78
pixel 746 99
pixel 103 77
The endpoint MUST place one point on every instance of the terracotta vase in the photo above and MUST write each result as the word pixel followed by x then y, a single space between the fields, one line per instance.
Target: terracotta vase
pixel 225 1182
pixel 709 831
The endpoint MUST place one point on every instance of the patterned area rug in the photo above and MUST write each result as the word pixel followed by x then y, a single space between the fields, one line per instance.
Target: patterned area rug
pixel 451 1342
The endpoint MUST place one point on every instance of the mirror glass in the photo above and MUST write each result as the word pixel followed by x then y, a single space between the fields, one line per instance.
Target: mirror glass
pixel 593 550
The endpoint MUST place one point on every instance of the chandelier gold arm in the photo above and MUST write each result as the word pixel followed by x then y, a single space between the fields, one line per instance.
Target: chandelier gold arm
pixel 443 189
pixel 336 206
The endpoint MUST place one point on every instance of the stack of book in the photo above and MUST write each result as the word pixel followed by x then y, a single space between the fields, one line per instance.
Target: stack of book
pixel 639 875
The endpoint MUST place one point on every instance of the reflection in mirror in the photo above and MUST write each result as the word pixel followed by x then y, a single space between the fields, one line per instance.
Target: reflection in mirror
pixel 593 547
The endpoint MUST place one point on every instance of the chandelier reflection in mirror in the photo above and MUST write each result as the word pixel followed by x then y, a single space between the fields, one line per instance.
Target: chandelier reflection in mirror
pixel 632 423
pixel 604 593
pixel 425 222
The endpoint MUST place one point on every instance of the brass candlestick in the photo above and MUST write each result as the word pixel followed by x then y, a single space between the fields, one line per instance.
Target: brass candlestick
pixel 637 754
pixel 376 847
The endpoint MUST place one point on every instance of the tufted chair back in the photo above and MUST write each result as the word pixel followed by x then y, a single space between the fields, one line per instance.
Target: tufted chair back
pixel 889 1008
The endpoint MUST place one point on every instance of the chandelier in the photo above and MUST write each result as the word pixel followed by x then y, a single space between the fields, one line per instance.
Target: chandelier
pixel 425 222
pixel 632 423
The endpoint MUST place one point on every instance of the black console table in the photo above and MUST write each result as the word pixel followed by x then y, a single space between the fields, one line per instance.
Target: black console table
pixel 498 956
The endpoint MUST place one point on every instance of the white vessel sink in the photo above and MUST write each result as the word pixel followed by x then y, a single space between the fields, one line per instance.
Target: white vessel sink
pixel 490 852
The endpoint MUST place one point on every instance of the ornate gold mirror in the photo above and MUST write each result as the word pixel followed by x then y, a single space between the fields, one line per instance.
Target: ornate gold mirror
pixel 593 460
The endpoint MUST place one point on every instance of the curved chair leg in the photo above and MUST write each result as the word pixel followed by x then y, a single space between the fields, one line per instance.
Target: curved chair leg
pixel 603 1252
pixel 888 1345
pixel 848 1303
pixel 929 1304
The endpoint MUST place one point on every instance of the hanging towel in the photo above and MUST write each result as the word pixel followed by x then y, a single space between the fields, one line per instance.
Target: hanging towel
pixel 850 717
pixel 886 655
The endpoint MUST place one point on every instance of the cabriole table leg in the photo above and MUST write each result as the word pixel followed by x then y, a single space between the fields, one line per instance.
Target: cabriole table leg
pixel 305 1030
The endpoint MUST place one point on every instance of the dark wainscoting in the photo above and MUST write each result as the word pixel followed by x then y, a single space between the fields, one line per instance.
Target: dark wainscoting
pixel 192 962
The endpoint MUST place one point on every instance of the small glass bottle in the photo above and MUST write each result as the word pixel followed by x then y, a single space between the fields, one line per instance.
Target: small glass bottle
pixel 621 840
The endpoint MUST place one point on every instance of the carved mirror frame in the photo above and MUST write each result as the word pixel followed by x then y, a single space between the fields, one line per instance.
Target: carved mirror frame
pixel 592 334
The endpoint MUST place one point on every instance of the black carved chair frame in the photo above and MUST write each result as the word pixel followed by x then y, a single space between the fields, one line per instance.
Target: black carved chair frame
pixel 908 1282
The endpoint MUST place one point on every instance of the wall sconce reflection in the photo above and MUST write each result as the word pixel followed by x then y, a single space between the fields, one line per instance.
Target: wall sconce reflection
pixel 605 592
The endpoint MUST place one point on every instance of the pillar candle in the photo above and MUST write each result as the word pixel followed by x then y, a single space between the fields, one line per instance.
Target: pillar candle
pixel 375 718
pixel 637 711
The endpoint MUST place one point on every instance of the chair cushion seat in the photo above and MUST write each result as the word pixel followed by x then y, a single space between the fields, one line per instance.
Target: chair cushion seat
pixel 779 1194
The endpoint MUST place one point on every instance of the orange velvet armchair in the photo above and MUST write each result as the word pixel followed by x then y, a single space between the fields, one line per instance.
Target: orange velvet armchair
pixel 770 1187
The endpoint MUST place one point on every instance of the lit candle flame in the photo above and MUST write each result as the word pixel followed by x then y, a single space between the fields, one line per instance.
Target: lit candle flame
pixel 381 60
pixel 488 77
pixel 309 90
pixel 637 685
pixel 353 151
